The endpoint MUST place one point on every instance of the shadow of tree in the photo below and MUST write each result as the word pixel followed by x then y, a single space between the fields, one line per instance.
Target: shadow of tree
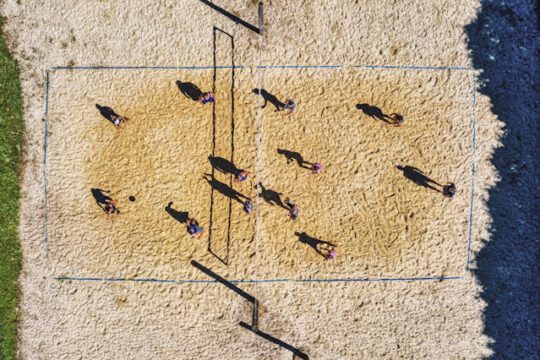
pixel 504 44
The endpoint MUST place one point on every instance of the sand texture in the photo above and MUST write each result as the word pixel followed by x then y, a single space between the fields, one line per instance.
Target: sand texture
pixel 173 158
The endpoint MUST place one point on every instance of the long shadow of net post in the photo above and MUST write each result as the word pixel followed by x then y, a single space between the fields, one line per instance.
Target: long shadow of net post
pixel 233 17
pixel 255 314
pixel 504 43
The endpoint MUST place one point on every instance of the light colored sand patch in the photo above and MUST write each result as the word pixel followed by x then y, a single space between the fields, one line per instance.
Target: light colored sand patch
pixel 160 157
pixel 383 224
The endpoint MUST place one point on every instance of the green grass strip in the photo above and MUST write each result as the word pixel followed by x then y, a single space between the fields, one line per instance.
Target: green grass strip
pixel 11 142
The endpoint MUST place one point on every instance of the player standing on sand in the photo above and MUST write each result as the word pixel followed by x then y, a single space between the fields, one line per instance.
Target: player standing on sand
pixel 248 206
pixel 316 168
pixel 290 106
pixel 294 210
pixel 207 97
pixel 119 121
pixel 449 190
pixel 397 119
pixel 110 208
pixel 329 252
pixel 241 175
pixel 194 229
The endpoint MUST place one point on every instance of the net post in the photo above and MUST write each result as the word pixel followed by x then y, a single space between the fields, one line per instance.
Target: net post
pixel 261 19
pixel 255 318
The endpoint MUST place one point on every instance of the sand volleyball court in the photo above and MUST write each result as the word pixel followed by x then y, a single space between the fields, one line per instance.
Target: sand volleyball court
pixel 171 159
pixel 399 286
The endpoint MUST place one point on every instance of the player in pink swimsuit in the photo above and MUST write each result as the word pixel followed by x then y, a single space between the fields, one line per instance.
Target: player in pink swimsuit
pixel 316 168
pixel 294 210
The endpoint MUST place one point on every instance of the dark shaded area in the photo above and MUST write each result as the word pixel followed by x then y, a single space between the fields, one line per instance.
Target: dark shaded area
pixel 234 18
pixel 417 176
pixel 180 216
pixel 106 112
pixel 295 156
pixel 313 242
pixel 223 165
pixel 269 98
pixel 189 90
pixel 373 112
pixel 132 198
pixel 296 352
pixel 270 196
pixel 505 46
pixel 101 197
pixel 225 189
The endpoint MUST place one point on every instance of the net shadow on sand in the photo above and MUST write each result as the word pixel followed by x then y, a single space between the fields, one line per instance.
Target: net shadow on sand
pixel 217 161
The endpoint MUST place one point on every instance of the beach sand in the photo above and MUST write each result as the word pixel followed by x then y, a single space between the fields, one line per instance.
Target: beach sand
pixel 385 226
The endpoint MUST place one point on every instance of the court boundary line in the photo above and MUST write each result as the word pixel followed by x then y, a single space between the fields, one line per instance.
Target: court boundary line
pixel 473 172
pixel 284 280
pixel 45 178
pixel 432 68
pixel 135 67
pixel 210 67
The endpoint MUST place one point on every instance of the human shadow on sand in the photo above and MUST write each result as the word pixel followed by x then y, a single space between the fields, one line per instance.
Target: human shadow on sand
pixel 223 165
pixel 225 189
pixel 180 216
pixel 269 98
pixel 373 112
pixel 313 242
pixel 270 196
pixel 190 90
pixel 107 112
pixel 418 177
pixel 295 156
pixel 101 197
